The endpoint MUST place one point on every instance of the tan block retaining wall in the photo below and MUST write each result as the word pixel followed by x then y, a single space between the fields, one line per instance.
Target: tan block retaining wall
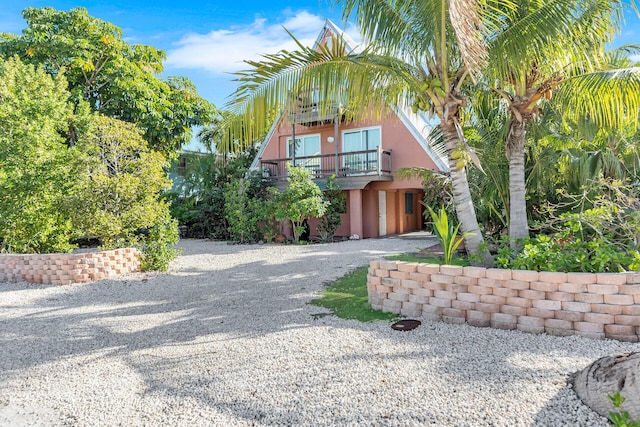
pixel 64 269
pixel 587 304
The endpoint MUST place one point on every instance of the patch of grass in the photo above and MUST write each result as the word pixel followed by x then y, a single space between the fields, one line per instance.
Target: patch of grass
pixel 348 299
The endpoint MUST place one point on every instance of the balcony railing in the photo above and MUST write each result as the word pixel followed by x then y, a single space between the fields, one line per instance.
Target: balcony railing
pixel 351 164
pixel 310 114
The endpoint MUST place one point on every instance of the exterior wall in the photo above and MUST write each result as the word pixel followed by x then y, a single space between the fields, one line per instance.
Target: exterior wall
pixel 64 269
pixel 603 305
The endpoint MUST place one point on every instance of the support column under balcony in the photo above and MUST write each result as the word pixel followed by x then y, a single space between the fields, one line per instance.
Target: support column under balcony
pixel 355 212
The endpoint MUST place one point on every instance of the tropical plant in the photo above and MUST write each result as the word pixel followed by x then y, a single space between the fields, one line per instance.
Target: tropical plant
pixel 556 46
pixel 158 248
pixel 301 199
pixel 420 53
pixel 336 205
pixel 115 78
pixel 248 214
pixel 446 232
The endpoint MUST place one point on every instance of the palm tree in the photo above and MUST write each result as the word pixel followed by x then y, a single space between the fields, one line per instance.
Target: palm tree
pixel 413 55
pixel 549 46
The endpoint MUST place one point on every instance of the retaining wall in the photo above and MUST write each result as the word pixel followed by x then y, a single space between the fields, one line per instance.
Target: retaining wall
pixel 64 269
pixel 602 305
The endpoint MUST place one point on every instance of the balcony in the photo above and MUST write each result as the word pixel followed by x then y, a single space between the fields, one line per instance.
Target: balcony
pixel 354 169
pixel 311 115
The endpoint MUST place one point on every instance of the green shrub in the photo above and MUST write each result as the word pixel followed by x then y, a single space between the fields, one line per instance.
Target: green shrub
pixel 242 212
pixel 336 205
pixel 301 199
pixel 158 249
pixel 564 253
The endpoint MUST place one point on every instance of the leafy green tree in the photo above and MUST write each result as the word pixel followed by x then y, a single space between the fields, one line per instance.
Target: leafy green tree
pixel 301 199
pixel 122 180
pixel 34 173
pixel 336 205
pixel 116 78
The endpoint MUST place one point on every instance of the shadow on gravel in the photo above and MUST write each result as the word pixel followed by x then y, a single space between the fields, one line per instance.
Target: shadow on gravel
pixel 229 322
pixel 251 298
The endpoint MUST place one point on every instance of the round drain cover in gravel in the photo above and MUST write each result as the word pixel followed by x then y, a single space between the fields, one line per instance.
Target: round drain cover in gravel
pixel 406 325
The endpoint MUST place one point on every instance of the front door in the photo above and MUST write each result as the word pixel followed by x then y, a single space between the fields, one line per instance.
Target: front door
pixel 382 212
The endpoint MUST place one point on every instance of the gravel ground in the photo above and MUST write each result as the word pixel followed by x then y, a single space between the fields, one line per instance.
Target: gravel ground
pixel 228 338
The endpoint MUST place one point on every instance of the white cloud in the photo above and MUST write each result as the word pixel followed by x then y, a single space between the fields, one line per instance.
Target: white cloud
pixel 634 58
pixel 223 50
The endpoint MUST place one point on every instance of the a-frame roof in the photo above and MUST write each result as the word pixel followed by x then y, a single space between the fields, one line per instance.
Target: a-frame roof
pixel 416 124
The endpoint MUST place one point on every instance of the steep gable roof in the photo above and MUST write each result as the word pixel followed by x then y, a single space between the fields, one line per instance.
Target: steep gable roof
pixel 417 125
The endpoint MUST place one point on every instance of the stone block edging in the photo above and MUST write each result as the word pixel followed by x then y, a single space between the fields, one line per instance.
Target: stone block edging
pixel 64 269
pixel 593 305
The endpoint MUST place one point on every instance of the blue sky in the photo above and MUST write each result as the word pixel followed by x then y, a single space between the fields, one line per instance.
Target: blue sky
pixel 207 40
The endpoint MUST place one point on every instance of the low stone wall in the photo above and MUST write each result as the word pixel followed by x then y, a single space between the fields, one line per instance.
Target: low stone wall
pixel 591 305
pixel 64 269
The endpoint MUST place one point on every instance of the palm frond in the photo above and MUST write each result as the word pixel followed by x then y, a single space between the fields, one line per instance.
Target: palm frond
pixel 551 36
pixel 610 98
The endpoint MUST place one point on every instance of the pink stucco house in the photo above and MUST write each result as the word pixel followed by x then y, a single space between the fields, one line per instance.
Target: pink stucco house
pixel 362 154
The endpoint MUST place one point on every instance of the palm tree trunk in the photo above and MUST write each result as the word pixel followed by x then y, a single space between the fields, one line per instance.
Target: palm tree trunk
pixel 609 375
pixel 518 225
pixel 465 210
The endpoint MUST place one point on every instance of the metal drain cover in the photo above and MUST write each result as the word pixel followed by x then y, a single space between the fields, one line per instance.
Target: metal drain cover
pixel 406 325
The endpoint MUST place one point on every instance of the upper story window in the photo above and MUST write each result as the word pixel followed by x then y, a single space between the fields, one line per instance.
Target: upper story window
pixel 361 139
pixel 306 145
pixel 360 142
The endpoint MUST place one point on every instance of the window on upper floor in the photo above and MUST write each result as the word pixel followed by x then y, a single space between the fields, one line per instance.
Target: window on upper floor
pixel 306 145
pixel 358 142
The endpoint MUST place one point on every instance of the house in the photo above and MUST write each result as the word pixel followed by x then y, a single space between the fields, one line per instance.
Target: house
pixel 362 154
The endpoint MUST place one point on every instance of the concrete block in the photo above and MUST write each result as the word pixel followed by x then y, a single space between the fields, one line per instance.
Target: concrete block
pixel 408 267
pixel 477 272
pixel 618 299
pixel 611 279
pixel 524 275
pixel 544 286
pixel 452 270
pixel 559 296
pixel 571 316
pixel 547 305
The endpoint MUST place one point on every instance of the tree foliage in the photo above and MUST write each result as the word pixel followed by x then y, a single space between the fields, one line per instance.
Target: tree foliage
pixel 116 78
pixel 34 160
pixel 121 181
pixel 336 205
pixel 301 199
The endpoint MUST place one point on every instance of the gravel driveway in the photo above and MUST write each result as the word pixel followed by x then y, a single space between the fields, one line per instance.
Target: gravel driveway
pixel 227 338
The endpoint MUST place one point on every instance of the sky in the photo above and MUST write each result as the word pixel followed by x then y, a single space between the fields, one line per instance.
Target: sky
pixel 206 41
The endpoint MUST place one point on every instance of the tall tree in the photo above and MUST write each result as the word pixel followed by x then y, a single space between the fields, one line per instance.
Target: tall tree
pixel 549 46
pixel 34 161
pixel 412 56
pixel 116 78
